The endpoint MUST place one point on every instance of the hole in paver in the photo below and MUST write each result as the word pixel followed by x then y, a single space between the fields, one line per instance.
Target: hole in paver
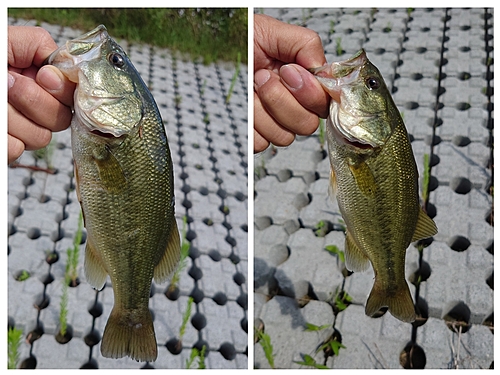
pixel 195 272
pixel 220 298
pixel 199 321
pixel 464 49
pixel 434 160
pixel 458 316
pixel 301 200
pixel 224 209
pixel 416 76
pixel 420 50
pixel 12 229
pixel 379 51
pixel 310 177
pixel 28 363
pixel 222 193
pixel 431 140
pixel 335 337
pixel 438 91
pixel 44 198
pixel 489 217
pixel 92 364
pixel 197 295
pixel 425 29
pixel 244 324
pixel 431 210
pixel 41 301
pixel 16 211
pixel 22 275
pixel 460 185
pixel 52 257
pixel 186 203
pixel 27 181
pixel 203 191
pixel 462 106
pixel 95 309
pixel 323 228
pixel 411 105
pixel 488 322
pixel 214 255
pixel 240 196
pixel 422 274
pixel 319 155
pixel 464 76
pixel 208 222
pixel 57 235
pixel 47 279
pixel 235 259
pixel 422 311
pixel 239 278
pixel 200 344
pixel 64 339
pixel 284 175
pixel 228 351
pixel 433 183
pixel 172 292
pixel 174 346
pixel 341 302
pixel 92 338
pixel 35 334
pixel 242 300
pixel 34 233
pixel 489 281
pixel 459 243
pixel 412 357
pixel 461 141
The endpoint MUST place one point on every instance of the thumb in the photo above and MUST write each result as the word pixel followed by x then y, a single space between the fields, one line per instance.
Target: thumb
pixel 305 88
pixel 56 83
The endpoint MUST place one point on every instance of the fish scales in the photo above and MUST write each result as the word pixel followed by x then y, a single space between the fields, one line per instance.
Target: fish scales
pixel 124 180
pixel 375 179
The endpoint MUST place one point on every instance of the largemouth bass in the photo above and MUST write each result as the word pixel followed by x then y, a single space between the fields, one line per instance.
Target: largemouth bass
pixel 124 180
pixel 375 179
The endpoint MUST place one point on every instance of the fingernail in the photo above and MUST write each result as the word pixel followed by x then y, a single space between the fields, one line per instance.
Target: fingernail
pixel 291 76
pixel 49 79
pixel 261 77
pixel 10 80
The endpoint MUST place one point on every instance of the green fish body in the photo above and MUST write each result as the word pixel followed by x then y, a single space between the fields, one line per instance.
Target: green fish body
pixel 124 176
pixel 375 179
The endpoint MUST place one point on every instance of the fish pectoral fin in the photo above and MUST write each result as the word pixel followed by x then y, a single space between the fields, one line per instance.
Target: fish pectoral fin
pixel 332 187
pixel 94 270
pixel 355 258
pixel 170 258
pixel 426 227
pixel 111 173
pixel 365 180
pixel 399 302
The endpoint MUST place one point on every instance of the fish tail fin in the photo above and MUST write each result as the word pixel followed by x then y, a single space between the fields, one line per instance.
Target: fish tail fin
pixel 129 334
pixel 399 302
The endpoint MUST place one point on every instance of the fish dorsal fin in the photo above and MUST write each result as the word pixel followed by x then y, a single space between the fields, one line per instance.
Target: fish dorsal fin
pixel 365 180
pixel 355 258
pixel 426 227
pixel 170 258
pixel 110 170
pixel 94 271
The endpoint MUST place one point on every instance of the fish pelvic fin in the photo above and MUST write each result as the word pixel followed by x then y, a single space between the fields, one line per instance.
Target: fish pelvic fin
pixel 355 259
pixel 129 333
pixel 170 258
pixel 399 302
pixel 426 227
pixel 94 270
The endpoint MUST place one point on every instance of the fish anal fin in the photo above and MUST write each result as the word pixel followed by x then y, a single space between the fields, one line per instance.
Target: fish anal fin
pixel 94 269
pixel 426 227
pixel 170 258
pixel 129 333
pixel 365 180
pixel 355 258
pixel 399 302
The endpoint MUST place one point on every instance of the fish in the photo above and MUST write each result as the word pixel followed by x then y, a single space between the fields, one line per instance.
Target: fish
pixel 375 180
pixel 125 184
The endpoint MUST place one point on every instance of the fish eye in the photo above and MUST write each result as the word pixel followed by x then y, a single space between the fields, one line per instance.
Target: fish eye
pixel 372 83
pixel 116 60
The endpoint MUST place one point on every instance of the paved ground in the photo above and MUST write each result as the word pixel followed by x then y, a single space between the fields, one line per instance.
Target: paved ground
pixel 439 64
pixel 208 141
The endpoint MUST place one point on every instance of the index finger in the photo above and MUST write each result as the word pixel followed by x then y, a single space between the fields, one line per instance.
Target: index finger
pixel 287 43
pixel 28 45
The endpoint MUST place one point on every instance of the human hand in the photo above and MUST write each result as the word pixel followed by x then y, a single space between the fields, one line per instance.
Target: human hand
pixel 39 98
pixel 287 98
